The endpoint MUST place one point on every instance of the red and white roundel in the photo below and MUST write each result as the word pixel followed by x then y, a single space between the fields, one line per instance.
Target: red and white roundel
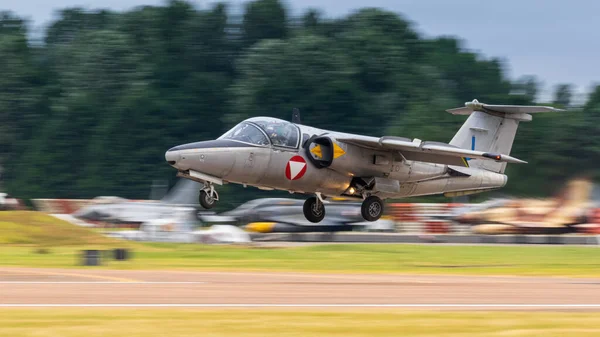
pixel 295 168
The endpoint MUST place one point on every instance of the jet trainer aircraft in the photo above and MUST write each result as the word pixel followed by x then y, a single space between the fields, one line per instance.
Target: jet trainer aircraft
pixel 270 153
pixel 567 212
pixel 281 215
pixel 177 202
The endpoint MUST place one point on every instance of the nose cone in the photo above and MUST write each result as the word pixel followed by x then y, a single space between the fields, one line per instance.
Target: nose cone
pixel 91 213
pixel 172 156
pixel 214 157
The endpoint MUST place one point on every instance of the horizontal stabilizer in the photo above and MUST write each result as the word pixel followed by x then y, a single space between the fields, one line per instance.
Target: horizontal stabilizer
pixel 500 109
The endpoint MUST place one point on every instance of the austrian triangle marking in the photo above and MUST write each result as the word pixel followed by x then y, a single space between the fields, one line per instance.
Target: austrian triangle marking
pixel 295 168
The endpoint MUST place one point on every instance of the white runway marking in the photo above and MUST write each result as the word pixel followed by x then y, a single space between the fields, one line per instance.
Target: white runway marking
pixel 264 305
pixel 100 282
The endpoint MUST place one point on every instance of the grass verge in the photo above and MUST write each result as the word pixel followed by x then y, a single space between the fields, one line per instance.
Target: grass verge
pixel 43 230
pixel 264 323
pixel 354 258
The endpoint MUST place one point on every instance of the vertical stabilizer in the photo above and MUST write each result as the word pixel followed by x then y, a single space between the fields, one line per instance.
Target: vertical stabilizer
pixel 185 192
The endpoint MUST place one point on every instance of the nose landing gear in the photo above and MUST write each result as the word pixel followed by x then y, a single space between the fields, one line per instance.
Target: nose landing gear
pixel 208 196
pixel 372 208
pixel 314 209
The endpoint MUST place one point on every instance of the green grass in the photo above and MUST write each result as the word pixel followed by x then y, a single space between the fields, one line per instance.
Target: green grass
pixel 265 323
pixel 27 227
pixel 354 258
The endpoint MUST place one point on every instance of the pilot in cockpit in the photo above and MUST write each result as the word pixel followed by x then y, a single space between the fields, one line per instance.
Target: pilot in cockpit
pixel 277 135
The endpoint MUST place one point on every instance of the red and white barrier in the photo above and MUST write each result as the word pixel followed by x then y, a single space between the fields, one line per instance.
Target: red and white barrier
pixel 60 206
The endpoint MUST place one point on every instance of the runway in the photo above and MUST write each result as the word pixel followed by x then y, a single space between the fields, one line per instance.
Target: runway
pixel 28 287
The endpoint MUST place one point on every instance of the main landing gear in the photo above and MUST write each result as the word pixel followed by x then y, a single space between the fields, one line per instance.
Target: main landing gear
pixel 208 196
pixel 371 208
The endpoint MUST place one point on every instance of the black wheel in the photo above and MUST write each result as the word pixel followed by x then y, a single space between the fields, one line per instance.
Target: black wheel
pixel 206 200
pixel 314 210
pixel 372 208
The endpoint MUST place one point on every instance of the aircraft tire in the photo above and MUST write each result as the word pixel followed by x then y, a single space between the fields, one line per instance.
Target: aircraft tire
pixel 314 210
pixel 206 201
pixel 372 208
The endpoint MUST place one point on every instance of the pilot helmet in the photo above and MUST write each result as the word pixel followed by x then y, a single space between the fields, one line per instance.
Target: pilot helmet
pixel 271 131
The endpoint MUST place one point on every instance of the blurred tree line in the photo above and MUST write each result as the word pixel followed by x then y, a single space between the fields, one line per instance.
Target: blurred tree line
pixel 91 109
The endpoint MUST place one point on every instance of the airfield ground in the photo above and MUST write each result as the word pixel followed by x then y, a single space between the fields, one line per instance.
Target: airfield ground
pixel 67 287
pixel 343 289
pixel 73 322
pixel 68 302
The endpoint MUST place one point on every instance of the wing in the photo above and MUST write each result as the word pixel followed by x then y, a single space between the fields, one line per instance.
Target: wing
pixel 431 152
pixel 296 224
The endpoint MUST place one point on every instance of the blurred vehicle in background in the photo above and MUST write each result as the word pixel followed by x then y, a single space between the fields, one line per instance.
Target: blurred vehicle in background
pixel 123 211
pixel 177 226
pixel 567 212
pixel 9 203
pixel 183 226
pixel 281 215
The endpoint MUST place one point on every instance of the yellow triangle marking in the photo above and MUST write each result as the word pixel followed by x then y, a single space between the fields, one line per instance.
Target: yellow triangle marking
pixel 317 151
pixel 337 151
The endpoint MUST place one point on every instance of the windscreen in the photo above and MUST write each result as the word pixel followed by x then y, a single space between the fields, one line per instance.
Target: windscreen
pixel 247 133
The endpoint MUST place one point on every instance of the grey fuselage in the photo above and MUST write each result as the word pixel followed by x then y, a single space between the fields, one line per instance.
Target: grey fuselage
pixel 264 166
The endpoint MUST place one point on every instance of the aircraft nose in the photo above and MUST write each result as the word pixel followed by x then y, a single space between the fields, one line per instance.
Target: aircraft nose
pixel 195 156
pixel 172 156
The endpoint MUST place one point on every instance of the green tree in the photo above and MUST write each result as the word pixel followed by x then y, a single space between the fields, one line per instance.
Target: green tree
pixel 311 19
pixel 307 72
pixel 563 94
pixel 74 21
pixel 21 95
pixel 264 19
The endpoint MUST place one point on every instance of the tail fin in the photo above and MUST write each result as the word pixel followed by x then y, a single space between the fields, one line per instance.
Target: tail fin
pixel 491 128
pixel 185 192
pixel 576 192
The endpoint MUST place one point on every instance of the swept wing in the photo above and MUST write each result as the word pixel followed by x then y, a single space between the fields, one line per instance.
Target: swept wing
pixel 426 151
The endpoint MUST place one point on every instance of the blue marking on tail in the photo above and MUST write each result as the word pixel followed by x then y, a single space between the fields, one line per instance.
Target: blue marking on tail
pixel 472 146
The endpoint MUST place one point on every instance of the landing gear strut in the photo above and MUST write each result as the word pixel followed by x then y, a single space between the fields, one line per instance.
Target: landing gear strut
pixel 372 208
pixel 208 196
pixel 314 209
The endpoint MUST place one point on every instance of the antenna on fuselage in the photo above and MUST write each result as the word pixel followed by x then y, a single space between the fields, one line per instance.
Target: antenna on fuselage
pixel 296 116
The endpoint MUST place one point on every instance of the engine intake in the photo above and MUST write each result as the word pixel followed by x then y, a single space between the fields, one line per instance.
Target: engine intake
pixel 319 150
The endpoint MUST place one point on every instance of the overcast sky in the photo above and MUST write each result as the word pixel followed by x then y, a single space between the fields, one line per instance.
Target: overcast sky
pixel 556 40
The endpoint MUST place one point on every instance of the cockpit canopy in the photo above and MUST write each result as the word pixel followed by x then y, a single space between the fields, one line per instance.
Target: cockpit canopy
pixel 260 130
pixel 247 133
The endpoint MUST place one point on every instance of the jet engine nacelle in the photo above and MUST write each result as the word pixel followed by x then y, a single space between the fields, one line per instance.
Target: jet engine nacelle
pixel 358 161
pixel 348 159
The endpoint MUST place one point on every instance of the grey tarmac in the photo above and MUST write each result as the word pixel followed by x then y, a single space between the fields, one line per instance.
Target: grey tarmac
pixel 88 287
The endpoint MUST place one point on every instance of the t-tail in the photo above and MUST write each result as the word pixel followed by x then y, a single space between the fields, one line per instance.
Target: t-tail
pixel 492 129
